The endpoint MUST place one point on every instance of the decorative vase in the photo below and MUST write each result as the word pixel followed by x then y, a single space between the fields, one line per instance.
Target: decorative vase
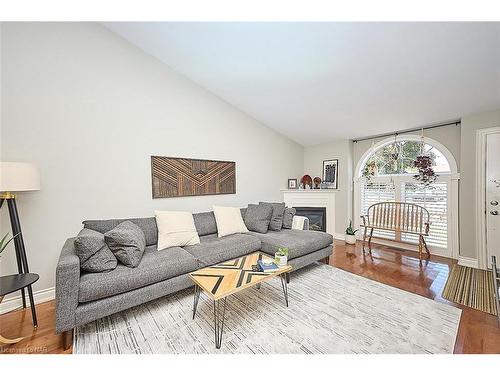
pixel 281 260
pixel 350 239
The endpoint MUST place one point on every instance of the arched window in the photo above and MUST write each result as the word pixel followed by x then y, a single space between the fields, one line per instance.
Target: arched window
pixel 386 173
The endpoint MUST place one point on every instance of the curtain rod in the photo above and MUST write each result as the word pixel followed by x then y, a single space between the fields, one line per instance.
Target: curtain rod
pixel 458 122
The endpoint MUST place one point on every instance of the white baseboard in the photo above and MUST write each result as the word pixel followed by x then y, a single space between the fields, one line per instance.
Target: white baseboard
pixel 339 236
pixel 468 262
pixel 16 302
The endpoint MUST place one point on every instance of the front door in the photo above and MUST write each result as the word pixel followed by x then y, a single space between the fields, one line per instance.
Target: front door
pixel 493 196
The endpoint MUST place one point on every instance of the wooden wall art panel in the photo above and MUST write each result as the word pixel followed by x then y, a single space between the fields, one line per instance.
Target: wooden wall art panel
pixel 177 177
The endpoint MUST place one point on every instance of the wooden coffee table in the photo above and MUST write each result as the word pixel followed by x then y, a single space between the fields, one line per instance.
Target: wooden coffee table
pixel 224 279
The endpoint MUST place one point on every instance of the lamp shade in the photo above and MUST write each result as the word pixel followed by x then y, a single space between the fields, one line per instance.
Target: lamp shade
pixel 18 177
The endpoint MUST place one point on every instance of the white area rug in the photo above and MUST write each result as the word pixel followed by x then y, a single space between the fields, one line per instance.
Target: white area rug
pixel 331 311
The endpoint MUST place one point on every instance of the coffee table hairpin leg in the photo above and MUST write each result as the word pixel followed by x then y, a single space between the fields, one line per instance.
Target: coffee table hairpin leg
pixel 197 291
pixel 219 321
pixel 283 278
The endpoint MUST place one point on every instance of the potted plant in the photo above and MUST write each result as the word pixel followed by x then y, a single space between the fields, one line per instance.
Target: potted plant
pixel 350 234
pixel 281 256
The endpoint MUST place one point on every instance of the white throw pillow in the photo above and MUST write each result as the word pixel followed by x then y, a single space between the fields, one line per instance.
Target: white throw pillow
pixel 175 228
pixel 229 221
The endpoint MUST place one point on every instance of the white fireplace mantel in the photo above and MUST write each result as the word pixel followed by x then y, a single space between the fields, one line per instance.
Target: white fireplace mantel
pixel 313 198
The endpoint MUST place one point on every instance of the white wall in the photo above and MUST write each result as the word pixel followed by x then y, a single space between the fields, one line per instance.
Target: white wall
pixel 89 109
pixel 313 166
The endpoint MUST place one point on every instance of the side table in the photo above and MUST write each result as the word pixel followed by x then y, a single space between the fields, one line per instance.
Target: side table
pixel 13 283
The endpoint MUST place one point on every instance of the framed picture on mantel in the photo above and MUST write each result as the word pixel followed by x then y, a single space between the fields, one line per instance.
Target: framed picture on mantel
pixel 331 173
pixel 292 183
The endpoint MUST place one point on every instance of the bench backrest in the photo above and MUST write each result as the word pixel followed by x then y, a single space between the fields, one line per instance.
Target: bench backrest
pixel 399 217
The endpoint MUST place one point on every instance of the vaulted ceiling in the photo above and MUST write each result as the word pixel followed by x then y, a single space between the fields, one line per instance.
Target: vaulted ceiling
pixel 316 82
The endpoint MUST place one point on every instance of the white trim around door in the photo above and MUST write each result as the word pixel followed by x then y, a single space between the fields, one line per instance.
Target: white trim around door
pixel 481 135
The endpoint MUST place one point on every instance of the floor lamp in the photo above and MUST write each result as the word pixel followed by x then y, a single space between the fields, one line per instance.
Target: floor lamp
pixel 14 178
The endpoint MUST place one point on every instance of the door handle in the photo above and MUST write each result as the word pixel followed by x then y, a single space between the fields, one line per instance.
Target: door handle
pixel 494 203
pixel 494 212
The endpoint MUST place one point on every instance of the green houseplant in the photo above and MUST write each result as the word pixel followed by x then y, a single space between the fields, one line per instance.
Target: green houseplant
pixel 4 242
pixel 281 256
pixel 350 234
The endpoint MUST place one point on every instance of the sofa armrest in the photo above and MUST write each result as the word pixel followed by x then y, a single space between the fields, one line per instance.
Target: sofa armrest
pixel 67 285
pixel 297 222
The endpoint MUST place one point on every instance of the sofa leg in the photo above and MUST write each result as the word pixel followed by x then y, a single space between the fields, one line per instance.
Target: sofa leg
pixel 67 337
pixel 327 260
pixel 288 278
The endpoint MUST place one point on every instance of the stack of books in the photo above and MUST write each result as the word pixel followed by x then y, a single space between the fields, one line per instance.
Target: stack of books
pixel 267 266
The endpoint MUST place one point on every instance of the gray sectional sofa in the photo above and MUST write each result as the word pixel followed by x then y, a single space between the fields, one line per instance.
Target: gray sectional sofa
pixel 83 297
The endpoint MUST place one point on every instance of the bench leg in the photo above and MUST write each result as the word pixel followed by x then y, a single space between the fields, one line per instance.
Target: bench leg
pixel 364 239
pixel 426 248
pixel 370 241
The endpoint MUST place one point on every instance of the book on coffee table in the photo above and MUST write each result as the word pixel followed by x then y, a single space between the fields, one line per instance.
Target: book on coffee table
pixel 267 267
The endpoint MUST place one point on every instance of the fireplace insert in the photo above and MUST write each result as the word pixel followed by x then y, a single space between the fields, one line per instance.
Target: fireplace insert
pixel 316 216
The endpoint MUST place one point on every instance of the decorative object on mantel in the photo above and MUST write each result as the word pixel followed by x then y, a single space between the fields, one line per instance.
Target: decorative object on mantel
pixel 292 183
pixel 423 163
pixel 306 182
pixel 350 234
pixel 317 182
pixel 331 173
pixel 181 177
pixel 18 177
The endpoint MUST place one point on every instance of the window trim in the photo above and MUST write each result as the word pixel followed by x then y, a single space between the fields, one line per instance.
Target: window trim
pixel 451 178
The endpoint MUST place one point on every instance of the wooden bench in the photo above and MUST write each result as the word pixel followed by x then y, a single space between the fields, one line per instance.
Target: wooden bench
pixel 398 217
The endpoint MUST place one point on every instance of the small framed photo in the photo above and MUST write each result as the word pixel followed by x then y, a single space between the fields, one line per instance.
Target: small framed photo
pixel 292 183
pixel 331 173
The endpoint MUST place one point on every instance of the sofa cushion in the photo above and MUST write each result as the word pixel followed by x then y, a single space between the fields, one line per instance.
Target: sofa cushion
pixel 155 266
pixel 205 223
pixel 257 217
pixel 276 221
pixel 127 242
pixel 213 250
pixel 147 224
pixel 299 242
pixel 288 215
pixel 94 254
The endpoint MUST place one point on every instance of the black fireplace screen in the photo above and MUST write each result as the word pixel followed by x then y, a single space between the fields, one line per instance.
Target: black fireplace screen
pixel 316 216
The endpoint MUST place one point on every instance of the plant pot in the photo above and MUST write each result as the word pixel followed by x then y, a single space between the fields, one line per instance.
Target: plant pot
pixel 350 239
pixel 281 260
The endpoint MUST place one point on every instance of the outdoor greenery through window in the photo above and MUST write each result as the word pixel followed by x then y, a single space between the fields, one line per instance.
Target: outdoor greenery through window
pixel 398 158
pixel 389 176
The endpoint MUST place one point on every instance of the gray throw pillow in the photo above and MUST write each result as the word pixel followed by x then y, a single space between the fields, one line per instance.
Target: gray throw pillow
pixel 94 254
pixel 127 242
pixel 277 217
pixel 257 217
pixel 288 217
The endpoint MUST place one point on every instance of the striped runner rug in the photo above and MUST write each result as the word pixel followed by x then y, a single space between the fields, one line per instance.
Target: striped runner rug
pixel 471 287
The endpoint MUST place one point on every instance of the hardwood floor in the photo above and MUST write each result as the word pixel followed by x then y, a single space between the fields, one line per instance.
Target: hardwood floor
pixel 478 332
